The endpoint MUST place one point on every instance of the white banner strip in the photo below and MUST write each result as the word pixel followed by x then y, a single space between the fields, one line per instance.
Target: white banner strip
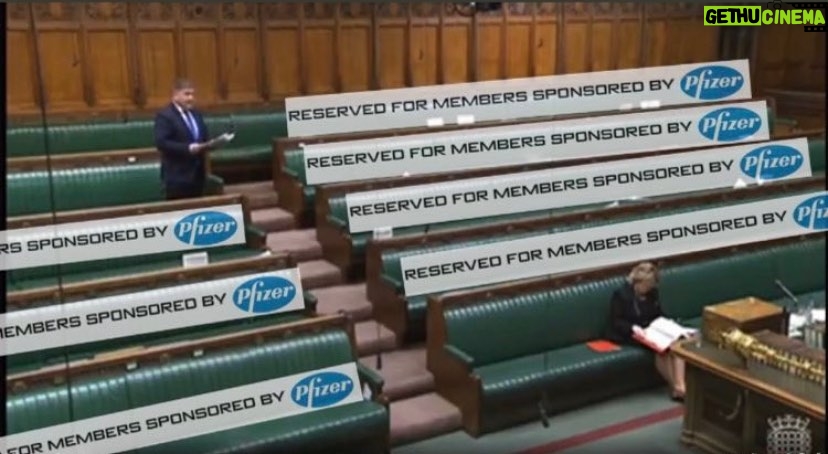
pixel 122 237
pixel 736 166
pixel 517 98
pixel 607 245
pixel 194 416
pixel 150 311
pixel 589 137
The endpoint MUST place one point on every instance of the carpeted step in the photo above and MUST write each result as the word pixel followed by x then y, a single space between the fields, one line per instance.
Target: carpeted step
pixel 259 194
pixel 350 299
pixel 421 417
pixel 301 244
pixel 372 337
pixel 273 219
pixel 404 372
pixel 319 273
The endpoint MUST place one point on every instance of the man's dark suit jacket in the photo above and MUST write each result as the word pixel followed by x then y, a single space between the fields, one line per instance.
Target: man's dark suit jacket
pixel 180 169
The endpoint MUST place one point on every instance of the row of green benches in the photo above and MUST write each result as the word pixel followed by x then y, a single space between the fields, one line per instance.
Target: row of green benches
pixel 97 387
pixel 495 352
pixel 405 315
pixel 347 250
pixel 300 199
pixel 250 152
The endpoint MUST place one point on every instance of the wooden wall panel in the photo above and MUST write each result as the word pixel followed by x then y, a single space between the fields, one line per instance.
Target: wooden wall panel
pixel 119 58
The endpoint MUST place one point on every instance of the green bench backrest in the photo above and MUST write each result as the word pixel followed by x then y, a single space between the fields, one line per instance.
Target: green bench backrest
pixel 177 379
pixel 76 189
pixel 52 271
pixel 251 129
pixel 506 328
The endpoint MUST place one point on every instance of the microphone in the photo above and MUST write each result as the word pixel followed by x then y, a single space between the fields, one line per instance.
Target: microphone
pixel 544 397
pixel 787 293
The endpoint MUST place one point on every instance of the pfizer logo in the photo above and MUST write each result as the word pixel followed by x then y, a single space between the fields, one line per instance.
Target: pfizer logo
pixel 205 228
pixel 712 82
pixel 730 124
pixel 771 162
pixel 322 390
pixel 813 213
pixel 263 295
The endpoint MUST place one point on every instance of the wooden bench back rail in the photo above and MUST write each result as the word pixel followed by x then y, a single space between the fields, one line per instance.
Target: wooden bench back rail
pixel 376 247
pixel 22 299
pixel 160 354
pixel 81 160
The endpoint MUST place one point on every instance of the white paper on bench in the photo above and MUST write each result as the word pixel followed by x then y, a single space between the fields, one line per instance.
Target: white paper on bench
pixel 195 259
pixel 150 425
pixel 512 99
pixel 578 185
pixel 613 244
pixel 527 143
pixel 151 311
pixel 129 236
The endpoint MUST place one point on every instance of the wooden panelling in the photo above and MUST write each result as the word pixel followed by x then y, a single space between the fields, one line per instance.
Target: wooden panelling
pixel 120 58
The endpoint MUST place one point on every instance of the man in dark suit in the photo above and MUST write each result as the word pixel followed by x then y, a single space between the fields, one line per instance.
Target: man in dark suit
pixel 183 140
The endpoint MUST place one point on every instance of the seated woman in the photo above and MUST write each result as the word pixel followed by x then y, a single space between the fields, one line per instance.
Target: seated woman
pixel 633 307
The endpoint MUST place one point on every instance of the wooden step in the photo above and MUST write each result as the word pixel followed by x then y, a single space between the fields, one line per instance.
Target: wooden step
pixel 319 273
pixel 350 299
pixel 404 372
pixel 422 417
pixel 301 244
pixel 372 337
pixel 273 219
pixel 260 194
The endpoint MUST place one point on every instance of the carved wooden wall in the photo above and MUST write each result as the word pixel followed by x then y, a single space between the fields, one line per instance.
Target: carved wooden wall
pixel 120 58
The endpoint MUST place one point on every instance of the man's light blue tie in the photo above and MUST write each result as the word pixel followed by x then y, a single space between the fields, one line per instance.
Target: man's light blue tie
pixel 191 124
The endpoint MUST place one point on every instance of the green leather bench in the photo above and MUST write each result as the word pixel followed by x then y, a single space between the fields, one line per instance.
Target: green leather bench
pixel 29 192
pixel 251 148
pixel 391 274
pixel 361 427
pixel 511 348
pixel 336 240
pixel 295 161
pixel 46 276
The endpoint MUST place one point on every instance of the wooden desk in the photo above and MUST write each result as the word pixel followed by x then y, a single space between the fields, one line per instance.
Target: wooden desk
pixel 727 407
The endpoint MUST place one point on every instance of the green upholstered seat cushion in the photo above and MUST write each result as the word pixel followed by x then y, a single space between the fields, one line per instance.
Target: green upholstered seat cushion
pixel 251 154
pixel 563 368
pixel 330 428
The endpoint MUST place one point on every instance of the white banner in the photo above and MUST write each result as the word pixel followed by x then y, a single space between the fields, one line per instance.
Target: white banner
pixel 122 237
pixel 578 185
pixel 517 98
pixel 150 311
pixel 607 245
pixel 579 138
pixel 194 416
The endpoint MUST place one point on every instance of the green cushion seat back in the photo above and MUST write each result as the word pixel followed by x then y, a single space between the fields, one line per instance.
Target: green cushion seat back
pixel 816 149
pixel 76 189
pixel 237 367
pixel 37 408
pixel 295 164
pixel 80 138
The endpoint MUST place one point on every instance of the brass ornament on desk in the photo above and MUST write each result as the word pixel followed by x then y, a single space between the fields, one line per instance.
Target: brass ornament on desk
pixel 749 348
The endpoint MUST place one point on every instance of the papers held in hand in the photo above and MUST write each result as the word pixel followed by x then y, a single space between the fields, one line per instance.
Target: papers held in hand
pixel 222 140
pixel 661 333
